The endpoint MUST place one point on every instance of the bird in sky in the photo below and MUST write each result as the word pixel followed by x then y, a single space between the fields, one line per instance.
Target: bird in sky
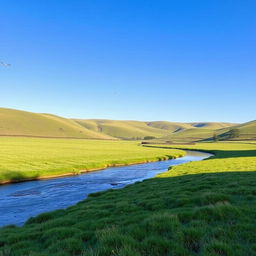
pixel 4 64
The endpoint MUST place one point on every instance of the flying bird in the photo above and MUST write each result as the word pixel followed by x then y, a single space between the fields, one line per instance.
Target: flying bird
pixel 4 64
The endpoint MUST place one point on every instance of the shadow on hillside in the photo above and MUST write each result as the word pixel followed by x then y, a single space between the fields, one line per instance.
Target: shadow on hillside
pixel 234 183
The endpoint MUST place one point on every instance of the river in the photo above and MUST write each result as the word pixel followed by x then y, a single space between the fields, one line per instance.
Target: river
pixel 20 201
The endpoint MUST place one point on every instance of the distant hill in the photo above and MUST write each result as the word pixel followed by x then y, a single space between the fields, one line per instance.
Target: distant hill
pixel 159 129
pixel 169 126
pixel 199 132
pixel 212 125
pixel 246 131
pixel 189 135
pixel 177 127
pixel 22 123
pixel 122 129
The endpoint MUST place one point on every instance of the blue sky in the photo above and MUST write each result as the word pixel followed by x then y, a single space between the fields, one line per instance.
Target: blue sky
pixel 142 60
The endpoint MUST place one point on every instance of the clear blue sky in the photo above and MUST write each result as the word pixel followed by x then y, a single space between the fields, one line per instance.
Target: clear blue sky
pixel 190 60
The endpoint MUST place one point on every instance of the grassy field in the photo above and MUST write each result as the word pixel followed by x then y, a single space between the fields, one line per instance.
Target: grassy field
pixel 33 158
pixel 205 208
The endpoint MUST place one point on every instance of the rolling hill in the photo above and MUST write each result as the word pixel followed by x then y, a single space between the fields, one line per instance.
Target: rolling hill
pixel 246 131
pixel 169 126
pixel 190 135
pixel 122 129
pixel 159 129
pixel 23 123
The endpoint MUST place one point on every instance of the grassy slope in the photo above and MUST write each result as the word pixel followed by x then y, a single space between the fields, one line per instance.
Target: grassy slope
pixel 123 129
pixel 193 134
pixel 212 125
pixel 26 158
pixel 190 210
pixel 247 130
pixel 174 126
pixel 202 131
pixel 135 129
pixel 169 126
pixel 89 124
pixel 22 123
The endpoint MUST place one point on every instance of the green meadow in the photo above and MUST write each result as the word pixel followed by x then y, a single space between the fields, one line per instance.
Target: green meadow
pixel 205 208
pixel 35 158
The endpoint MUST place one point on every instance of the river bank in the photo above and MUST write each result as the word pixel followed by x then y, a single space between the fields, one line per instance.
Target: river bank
pixel 22 200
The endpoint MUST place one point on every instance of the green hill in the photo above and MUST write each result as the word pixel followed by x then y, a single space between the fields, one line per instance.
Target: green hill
pixel 212 125
pixel 158 129
pixel 246 131
pixel 192 134
pixel 205 131
pixel 176 127
pixel 122 129
pixel 169 126
pixel 22 123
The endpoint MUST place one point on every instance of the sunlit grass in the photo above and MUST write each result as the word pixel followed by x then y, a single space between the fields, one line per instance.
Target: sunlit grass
pixel 25 158
pixel 190 210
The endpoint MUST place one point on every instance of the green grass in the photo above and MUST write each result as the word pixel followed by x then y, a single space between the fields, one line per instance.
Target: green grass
pixel 206 208
pixel 33 158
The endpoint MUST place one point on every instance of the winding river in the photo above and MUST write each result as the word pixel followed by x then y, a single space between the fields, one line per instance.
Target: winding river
pixel 20 201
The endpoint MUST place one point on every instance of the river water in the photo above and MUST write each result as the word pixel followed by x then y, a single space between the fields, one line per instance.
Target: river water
pixel 20 201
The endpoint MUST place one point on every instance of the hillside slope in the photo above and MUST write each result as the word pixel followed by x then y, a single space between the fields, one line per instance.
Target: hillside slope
pixel 212 125
pixel 22 123
pixel 169 126
pixel 192 134
pixel 176 127
pixel 246 131
pixel 159 129
pixel 122 129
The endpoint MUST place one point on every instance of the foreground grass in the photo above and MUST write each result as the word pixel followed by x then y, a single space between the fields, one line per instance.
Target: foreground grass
pixel 31 158
pixel 190 210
